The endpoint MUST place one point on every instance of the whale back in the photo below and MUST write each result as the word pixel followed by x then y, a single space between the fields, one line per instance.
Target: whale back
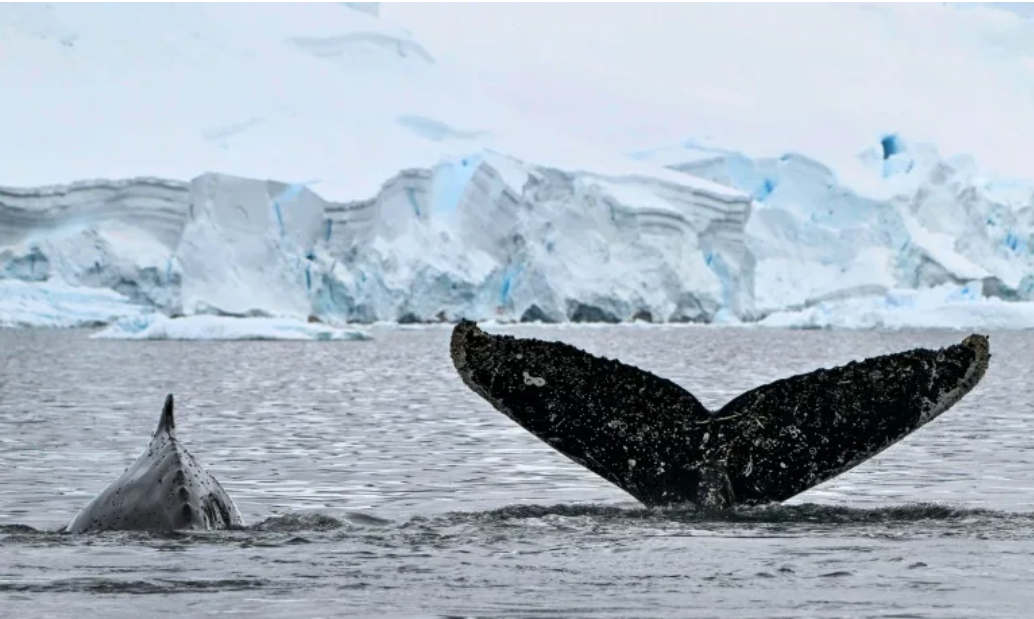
pixel 165 489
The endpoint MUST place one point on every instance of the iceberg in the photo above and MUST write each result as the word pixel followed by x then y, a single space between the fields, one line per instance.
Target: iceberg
pixel 159 327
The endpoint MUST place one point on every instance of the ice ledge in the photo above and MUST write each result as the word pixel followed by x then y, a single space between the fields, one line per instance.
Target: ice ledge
pixel 159 327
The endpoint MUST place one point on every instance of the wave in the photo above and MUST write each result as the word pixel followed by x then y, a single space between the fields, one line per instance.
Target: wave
pixel 804 514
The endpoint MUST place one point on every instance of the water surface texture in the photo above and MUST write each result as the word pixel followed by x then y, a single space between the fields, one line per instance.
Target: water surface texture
pixel 376 485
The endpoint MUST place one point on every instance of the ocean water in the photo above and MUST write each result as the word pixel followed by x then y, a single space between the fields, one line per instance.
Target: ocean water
pixel 375 484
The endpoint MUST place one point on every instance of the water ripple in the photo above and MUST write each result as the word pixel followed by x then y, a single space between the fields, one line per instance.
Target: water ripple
pixel 375 483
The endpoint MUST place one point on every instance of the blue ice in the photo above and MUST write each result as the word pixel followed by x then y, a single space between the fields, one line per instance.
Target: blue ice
pixel 286 195
pixel 508 277
pixel 451 180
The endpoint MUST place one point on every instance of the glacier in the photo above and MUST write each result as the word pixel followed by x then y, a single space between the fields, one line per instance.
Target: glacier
pixel 427 199
pixel 916 220
pixel 779 242
pixel 487 237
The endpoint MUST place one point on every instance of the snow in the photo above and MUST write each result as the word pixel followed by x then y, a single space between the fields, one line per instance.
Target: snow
pixel 284 162
pixel 159 327
pixel 302 92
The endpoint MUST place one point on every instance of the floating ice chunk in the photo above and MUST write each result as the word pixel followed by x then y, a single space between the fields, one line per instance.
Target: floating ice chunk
pixel 160 327
pixel 943 307
pixel 59 305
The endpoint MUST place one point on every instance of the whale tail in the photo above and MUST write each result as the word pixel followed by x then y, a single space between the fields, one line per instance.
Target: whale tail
pixel 167 423
pixel 656 441
pixel 781 439
pixel 637 430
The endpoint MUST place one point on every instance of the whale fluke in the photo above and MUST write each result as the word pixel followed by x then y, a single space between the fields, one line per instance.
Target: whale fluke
pixel 166 489
pixel 656 441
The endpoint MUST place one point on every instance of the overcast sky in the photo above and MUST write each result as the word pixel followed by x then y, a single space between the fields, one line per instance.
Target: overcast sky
pixel 570 33
pixel 516 32
pixel 672 68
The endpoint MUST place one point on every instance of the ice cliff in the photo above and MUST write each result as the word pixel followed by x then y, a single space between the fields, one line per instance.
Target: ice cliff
pixel 908 219
pixel 780 240
pixel 487 237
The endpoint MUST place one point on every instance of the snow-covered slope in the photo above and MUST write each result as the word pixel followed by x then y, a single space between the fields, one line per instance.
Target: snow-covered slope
pixel 173 90
pixel 401 189
pixel 823 79
pixel 311 93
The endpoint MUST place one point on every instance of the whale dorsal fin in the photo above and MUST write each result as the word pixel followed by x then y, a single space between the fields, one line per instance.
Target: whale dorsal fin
pixel 167 423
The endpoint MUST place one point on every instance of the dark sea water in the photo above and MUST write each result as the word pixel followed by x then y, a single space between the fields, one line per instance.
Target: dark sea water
pixel 375 484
